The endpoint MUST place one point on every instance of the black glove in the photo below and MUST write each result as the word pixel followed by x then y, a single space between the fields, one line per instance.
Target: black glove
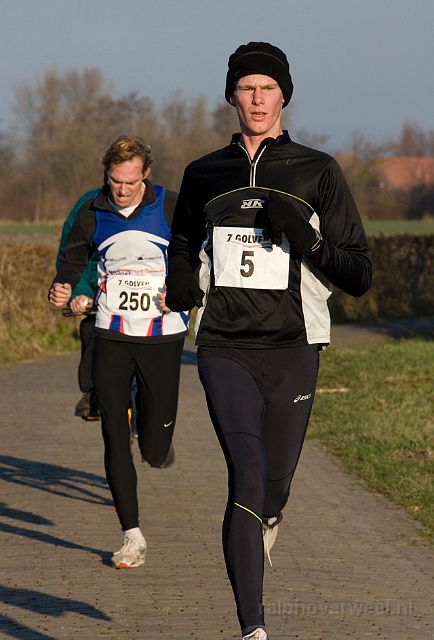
pixel 183 293
pixel 283 217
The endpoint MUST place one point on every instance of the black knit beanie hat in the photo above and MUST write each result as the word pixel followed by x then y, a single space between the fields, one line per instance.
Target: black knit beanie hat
pixel 262 58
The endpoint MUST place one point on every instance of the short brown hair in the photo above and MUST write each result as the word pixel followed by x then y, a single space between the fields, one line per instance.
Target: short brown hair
pixel 125 148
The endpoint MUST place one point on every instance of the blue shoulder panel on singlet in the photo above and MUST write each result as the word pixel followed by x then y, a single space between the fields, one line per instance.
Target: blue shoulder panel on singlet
pixel 151 219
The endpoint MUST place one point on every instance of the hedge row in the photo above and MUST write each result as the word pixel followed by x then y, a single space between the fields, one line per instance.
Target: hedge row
pixel 29 325
pixel 403 287
pixel 402 284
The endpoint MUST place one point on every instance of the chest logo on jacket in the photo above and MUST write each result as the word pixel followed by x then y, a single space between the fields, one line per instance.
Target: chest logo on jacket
pixel 255 203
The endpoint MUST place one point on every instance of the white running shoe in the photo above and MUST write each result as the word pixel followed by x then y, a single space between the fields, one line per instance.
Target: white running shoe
pixel 270 527
pixel 258 634
pixel 131 555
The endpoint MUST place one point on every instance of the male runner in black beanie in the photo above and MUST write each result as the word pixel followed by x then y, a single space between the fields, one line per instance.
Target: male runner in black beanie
pixel 275 226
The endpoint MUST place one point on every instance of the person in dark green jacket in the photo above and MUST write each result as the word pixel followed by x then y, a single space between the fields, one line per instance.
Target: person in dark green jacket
pixel 82 299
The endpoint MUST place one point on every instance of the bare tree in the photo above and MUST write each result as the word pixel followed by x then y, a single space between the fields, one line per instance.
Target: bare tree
pixel 66 122
pixel 186 133
pixel 225 121
pixel 313 140
pixel 363 175
pixel 7 155
pixel 413 141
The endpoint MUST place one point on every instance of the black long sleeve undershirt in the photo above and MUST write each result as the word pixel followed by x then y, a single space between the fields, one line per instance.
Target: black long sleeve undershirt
pixel 349 271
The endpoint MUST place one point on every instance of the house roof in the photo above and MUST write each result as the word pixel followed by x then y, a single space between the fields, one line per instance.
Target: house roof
pixel 406 172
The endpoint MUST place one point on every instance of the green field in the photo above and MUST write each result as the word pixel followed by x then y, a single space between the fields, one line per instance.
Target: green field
pixel 37 233
pixel 393 227
pixel 374 410
pixel 373 227
pixel 30 228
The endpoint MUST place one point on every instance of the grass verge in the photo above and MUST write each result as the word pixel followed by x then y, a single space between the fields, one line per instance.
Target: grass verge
pixel 29 326
pixel 23 343
pixel 382 426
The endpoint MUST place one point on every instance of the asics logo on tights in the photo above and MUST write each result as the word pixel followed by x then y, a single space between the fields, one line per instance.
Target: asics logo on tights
pixel 299 398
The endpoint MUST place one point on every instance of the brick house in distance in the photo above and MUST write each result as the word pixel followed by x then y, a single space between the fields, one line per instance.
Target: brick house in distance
pixel 412 176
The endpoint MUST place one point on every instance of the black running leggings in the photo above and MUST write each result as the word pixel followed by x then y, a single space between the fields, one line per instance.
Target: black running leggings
pixel 87 336
pixel 259 402
pixel 157 369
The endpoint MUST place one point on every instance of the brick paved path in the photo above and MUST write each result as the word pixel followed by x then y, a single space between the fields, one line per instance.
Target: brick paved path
pixel 346 564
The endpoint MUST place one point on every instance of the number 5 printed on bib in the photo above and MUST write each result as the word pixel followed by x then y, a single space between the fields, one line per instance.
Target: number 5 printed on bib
pixel 242 258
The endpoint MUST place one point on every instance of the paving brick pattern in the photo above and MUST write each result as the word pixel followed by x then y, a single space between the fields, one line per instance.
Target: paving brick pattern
pixel 346 563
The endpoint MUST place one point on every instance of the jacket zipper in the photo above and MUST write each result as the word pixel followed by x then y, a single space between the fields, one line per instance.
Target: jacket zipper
pixel 253 164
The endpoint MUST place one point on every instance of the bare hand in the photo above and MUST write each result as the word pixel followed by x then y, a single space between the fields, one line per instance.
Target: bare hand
pixel 80 303
pixel 162 301
pixel 59 294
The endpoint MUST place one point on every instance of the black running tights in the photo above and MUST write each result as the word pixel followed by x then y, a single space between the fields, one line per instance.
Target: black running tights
pixel 87 336
pixel 259 402
pixel 157 369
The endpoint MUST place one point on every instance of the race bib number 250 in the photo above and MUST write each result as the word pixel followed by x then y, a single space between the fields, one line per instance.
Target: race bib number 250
pixel 242 258
pixel 133 296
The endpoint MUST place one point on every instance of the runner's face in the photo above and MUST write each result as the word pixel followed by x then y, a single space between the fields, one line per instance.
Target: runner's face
pixel 258 100
pixel 126 182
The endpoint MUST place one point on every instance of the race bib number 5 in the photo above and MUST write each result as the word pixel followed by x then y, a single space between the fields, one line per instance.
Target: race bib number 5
pixel 130 296
pixel 242 258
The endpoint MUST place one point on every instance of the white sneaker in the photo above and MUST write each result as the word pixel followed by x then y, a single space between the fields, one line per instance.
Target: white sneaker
pixel 132 553
pixel 270 527
pixel 258 634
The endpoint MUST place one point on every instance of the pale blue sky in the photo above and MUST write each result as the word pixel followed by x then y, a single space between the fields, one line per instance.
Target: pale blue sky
pixel 357 65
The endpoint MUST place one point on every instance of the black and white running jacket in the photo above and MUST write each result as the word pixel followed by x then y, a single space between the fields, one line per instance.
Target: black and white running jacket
pixel 259 295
